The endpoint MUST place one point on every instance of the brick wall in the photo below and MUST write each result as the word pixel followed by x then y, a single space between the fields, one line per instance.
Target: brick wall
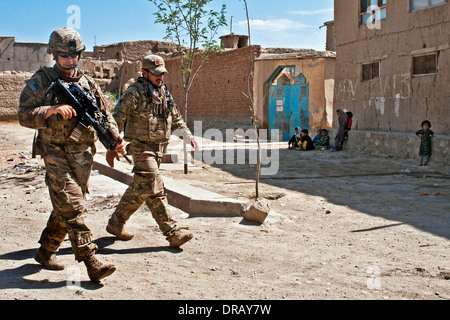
pixel 216 96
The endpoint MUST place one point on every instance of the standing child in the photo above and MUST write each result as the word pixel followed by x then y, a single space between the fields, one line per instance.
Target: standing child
pixel 425 135
pixel 340 134
pixel 349 124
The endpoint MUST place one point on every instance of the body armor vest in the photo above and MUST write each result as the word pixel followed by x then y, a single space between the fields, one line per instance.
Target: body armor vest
pixel 59 131
pixel 151 121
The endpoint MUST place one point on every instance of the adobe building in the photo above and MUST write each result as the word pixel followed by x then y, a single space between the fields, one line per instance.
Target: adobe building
pixel 234 41
pixel 331 36
pixel 294 88
pixel 393 72
pixel 23 56
pixel 111 75
pixel 18 62
pixel 116 65
pixel 216 97
pixel 291 87
pixel 133 50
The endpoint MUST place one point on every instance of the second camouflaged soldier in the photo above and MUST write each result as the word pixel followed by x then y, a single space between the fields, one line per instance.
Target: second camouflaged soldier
pixel 147 114
pixel 68 163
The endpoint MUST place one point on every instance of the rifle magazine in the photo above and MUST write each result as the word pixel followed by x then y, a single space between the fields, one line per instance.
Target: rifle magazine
pixel 75 135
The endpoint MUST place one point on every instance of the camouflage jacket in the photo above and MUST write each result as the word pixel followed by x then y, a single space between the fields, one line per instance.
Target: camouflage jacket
pixel 34 103
pixel 148 114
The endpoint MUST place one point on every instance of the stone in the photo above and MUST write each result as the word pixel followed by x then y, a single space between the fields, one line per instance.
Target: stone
pixel 258 211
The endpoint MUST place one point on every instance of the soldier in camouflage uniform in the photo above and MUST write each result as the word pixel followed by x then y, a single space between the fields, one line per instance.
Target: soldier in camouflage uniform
pixel 147 113
pixel 68 163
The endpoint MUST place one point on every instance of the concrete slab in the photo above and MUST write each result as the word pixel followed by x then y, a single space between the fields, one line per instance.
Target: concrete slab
pixel 192 200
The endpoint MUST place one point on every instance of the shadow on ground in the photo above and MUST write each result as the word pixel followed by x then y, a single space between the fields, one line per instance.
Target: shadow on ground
pixel 397 190
pixel 16 278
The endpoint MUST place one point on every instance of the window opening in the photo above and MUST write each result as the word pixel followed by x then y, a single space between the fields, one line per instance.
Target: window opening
pixel 371 71
pixel 425 4
pixel 426 64
pixel 372 10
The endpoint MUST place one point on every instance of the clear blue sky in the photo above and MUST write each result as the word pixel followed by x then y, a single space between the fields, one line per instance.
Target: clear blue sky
pixel 283 23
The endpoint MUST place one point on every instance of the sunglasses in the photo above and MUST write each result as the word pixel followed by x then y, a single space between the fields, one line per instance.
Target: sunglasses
pixel 148 70
pixel 65 55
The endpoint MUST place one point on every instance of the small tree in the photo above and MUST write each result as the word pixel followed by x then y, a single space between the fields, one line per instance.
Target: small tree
pixel 252 102
pixel 190 25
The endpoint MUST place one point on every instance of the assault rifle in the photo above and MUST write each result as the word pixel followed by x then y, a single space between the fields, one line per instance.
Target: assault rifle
pixel 88 112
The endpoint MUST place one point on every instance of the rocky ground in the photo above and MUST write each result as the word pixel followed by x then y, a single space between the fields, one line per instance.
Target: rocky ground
pixel 341 226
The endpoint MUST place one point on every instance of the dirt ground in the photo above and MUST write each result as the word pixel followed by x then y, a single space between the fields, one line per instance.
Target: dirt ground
pixel 342 226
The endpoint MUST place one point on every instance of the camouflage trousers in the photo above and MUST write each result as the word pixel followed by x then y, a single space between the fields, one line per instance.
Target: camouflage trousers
pixel 147 186
pixel 68 170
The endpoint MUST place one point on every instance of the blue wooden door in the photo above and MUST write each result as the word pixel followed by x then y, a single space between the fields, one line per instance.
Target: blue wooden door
pixel 303 99
pixel 288 102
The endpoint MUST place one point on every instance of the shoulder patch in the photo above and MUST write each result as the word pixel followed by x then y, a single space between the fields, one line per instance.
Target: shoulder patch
pixel 34 86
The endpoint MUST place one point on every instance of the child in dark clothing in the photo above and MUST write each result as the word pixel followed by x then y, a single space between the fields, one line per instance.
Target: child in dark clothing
pixel 293 143
pixel 305 141
pixel 324 141
pixel 425 136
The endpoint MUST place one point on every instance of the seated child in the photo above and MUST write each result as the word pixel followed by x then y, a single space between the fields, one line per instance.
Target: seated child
pixel 324 141
pixel 317 137
pixel 293 143
pixel 305 142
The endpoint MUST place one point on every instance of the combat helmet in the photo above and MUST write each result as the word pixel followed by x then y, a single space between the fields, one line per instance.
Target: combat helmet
pixel 155 64
pixel 65 40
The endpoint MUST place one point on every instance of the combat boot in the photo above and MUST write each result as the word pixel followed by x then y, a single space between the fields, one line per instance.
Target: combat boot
pixel 177 238
pixel 48 260
pixel 116 228
pixel 97 270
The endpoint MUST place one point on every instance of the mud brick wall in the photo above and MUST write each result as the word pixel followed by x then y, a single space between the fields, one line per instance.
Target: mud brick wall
pixel 398 100
pixel 23 56
pixel 394 145
pixel 133 50
pixel 11 85
pixel 216 97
